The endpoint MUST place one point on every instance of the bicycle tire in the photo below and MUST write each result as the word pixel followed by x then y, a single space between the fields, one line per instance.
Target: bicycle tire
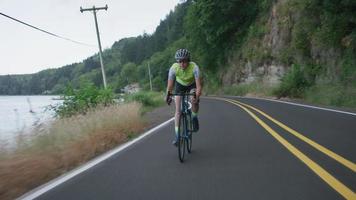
pixel 189 137
pixel 181 139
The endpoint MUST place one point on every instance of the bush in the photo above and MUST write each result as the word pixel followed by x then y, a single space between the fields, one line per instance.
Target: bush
pixel 81 100
pixel 293 83
pixel 348 70
pixel 147 99
pixel 210 83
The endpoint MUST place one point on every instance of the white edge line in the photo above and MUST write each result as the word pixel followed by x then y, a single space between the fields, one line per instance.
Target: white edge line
pixel 297 104
pixel 65 177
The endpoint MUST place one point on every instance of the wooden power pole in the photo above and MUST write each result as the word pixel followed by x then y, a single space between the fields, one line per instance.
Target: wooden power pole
pixel 97 33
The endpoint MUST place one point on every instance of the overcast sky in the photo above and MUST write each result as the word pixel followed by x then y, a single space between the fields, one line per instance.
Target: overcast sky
pixel 26 50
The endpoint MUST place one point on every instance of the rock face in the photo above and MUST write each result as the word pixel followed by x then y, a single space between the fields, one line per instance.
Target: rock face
pixel 279 35
pixel 268 74
pixel 268 71
pixel 272 54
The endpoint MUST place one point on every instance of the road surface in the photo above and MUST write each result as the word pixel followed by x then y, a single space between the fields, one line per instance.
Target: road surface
pixel 270 150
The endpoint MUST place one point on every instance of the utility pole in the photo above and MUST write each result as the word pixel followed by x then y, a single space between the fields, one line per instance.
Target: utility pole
pixel 149 74
pixel 97 33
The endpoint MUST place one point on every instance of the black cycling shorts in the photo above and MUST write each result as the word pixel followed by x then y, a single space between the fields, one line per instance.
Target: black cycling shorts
pixel 179 88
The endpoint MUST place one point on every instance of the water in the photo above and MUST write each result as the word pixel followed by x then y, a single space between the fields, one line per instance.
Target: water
pixel 21 113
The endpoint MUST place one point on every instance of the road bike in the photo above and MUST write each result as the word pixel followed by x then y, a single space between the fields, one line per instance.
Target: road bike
pixel 185 125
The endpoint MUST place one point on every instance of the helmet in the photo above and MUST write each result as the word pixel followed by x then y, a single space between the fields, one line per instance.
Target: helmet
pixel 182 54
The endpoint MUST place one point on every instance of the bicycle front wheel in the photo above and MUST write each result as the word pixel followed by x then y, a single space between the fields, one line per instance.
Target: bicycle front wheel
pixel 181 137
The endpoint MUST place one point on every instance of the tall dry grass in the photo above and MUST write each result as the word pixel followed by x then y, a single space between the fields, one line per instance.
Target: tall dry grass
pixel 63 145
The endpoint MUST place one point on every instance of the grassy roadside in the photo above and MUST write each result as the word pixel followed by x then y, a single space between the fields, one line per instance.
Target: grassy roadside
pixel 335 95
pixel 332 95
pixel 149 100
pixel 253 89
pixel 66 143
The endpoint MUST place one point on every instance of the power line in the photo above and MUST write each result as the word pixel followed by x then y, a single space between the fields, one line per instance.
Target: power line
pixel 55 35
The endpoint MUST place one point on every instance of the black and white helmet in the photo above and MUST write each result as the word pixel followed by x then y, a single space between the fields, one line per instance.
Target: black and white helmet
pixel 182 54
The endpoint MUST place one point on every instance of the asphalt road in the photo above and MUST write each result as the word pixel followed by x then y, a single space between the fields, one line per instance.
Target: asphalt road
pixel 234 157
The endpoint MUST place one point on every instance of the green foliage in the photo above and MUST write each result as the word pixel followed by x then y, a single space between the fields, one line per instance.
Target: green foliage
pixel 147 99
pixel 211 83
pixel 256 88
pixel 253 48
pixel 79 101
pixel 332 94
pixel 293 83
pixel 237 90
pixel 301 38
pixel 337 21
pixel 348 70
pixel 212 26
pixel 129 72
pixel 311 72
pixel 286 56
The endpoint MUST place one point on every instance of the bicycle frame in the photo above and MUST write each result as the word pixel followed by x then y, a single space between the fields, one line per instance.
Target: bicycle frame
pixel 185 125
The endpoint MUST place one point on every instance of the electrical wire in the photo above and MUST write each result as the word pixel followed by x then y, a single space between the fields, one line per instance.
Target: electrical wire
pixel 55 35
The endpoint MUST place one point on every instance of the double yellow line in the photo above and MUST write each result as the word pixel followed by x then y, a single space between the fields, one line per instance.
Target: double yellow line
pixel 321 172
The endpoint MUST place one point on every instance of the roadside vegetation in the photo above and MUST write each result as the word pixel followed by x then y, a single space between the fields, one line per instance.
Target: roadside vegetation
pixel 313 40
pixel 254 89
pixel 88 123
pixel 149 100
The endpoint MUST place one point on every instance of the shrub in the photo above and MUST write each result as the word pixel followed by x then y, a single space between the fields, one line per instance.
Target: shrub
pixel 147 99
pixel 81 100
pixel 348 70
pixel 293 83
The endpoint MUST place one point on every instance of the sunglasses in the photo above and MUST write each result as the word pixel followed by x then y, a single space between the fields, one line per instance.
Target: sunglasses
pixel 182 61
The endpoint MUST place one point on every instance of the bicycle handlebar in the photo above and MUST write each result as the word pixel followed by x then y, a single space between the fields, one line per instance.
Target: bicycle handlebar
pixel 183 93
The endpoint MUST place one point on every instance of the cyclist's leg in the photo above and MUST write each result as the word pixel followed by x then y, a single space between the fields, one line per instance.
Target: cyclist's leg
pixel 177 100
pixel 195 105
pixel 178 89
pixel 195 109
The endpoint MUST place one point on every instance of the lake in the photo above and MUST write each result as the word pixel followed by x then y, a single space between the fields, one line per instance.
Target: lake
pixel 21 113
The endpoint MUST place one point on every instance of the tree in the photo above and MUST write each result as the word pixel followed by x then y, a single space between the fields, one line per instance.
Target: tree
pixel 129 72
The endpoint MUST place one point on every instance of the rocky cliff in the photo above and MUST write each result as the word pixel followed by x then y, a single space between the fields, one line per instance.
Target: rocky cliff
pixel 294 32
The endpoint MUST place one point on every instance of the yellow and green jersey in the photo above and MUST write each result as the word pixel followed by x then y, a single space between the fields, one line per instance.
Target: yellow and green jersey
pixel 185 76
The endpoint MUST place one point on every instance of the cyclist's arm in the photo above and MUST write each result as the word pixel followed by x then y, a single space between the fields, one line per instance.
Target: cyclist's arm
pixel 196 72
pixel 171 77
pixel 170 85
pixel 199 88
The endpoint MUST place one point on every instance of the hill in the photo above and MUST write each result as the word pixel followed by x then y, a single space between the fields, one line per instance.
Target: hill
pixel 293 48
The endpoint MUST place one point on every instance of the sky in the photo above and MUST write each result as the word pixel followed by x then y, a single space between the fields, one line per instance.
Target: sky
pixel 24 50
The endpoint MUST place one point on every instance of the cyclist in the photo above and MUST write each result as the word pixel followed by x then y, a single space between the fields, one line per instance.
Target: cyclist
pixel 185 76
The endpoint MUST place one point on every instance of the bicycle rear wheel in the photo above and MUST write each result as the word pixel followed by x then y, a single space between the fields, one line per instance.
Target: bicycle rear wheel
pixel 189 137
pixel 181 139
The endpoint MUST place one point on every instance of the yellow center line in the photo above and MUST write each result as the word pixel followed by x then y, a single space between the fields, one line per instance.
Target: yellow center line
pixel 319 147
pixel 322 173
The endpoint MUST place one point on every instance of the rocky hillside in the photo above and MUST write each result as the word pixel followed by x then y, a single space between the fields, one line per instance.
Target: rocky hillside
pixel 301 33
